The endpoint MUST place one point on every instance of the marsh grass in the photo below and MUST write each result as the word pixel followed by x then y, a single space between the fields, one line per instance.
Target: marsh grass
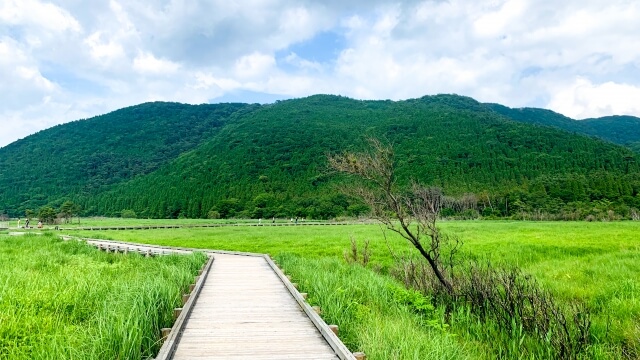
pixel 375 314
pixel 597 263
pixel 106 222
pixel 67 300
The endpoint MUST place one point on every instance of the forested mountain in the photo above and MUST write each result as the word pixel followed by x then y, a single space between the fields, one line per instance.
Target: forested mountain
pixel 623 130
pixel 270 160
pixel 83 157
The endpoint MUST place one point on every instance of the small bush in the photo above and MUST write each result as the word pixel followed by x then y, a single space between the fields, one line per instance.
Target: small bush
pixel 512 301
pixel 128 214
pixel 356 256
pixel 213 214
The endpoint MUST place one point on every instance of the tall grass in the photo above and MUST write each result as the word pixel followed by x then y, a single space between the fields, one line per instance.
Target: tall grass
pixel 595 263
pixel 375 314
pixel 67 300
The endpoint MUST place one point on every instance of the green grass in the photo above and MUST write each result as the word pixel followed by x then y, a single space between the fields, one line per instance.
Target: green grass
pixel 598 263
pixel 67 300
pixel 307 241
pixel 376 315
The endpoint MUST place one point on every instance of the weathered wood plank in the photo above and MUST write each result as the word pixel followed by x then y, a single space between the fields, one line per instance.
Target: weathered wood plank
pixel 245 311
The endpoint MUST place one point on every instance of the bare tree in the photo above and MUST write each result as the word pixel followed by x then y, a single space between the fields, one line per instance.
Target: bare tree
pixel 506 296
pixel 412 214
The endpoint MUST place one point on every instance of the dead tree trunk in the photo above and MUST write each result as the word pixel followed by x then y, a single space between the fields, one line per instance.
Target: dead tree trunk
pixel 412 214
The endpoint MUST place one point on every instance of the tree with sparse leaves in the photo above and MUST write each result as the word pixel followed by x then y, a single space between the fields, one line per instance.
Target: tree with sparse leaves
pixel 411 213
pixel 506 296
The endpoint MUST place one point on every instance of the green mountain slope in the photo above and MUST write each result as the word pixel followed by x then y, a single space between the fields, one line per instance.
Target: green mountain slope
pixel 271 161
pixel 84 157
pixel 623 130
pixel 172 160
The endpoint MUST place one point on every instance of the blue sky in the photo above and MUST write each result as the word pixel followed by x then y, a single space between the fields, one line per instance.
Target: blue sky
pixel 64 60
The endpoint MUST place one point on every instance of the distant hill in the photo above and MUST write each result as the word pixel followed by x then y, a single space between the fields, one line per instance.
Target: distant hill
pixel 83 157
pixel 173 160
pixel 622 130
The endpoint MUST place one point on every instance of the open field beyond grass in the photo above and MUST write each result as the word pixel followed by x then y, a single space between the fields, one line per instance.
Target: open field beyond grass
pixel 106 222
pixel 68 300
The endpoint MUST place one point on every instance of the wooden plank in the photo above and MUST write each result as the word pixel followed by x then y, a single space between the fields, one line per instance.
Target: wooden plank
pixel 169 346
pixel 245 311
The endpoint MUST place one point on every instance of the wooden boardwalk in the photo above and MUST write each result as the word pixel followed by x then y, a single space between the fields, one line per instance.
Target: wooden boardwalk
pixel 242 307
pixel 244 311
pixel 180 226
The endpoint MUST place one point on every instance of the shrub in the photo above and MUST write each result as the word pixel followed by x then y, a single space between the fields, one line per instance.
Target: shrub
pixel 128 214
pixel 509 299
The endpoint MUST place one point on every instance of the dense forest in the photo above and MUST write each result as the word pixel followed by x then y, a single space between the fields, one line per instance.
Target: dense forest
pixel 622 130
pixel 167 160
pixel 83 157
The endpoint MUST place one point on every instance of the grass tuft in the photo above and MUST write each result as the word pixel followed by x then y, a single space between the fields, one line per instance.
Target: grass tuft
pixel 67 300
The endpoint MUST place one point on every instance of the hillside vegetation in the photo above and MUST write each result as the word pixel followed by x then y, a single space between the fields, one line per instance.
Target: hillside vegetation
pixel 168 160
pixel 83 157
pixel 623 130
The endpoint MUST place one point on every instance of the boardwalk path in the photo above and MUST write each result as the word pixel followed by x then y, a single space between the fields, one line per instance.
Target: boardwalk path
pixel 244 308
pixel 179 226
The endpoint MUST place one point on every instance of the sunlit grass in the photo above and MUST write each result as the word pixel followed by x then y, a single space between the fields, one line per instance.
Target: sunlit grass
pixel 108 222
pixel 598 263
pixel 375 314
pixel 67 300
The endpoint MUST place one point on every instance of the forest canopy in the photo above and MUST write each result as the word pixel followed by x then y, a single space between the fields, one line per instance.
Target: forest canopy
pixel 169 160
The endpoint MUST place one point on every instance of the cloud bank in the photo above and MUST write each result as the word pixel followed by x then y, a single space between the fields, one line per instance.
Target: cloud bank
pixel 63 60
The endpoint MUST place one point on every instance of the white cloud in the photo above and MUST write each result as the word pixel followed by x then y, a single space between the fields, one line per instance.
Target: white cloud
pixel 496 23
pixel 146 63
pixel 297 61
pixel 21 82
pixel 37 13
pixel 583 99
pixel 103 50
pixel 63 59
pixel 255 64
pixel 207 81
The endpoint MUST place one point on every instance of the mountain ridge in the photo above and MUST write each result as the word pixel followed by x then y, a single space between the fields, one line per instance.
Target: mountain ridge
pixel 268 160
pixel 619 129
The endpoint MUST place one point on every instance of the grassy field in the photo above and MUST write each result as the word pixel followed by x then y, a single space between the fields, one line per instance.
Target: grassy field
pixel 376 315
pixel 598 263
pixel 67 300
